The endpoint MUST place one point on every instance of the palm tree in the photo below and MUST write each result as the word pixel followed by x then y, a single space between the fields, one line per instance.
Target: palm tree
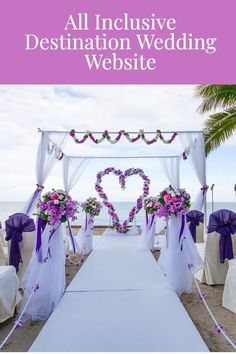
pixel 220 125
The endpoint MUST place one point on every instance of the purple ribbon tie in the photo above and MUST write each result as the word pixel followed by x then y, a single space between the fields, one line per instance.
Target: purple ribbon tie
pixel 194 218
pixel 71 236
pixel 223 221
pixel 182 230
pixel 15 225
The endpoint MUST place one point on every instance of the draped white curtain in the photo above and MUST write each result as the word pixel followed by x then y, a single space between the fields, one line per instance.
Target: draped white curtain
pixel 193 145
pixel 49 152
pixel 73 168
pixel 171 168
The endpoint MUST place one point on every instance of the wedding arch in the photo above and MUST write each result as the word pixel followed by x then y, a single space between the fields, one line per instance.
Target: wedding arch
pixel 67 147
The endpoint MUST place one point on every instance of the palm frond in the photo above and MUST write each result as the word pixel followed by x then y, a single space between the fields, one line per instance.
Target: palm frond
pixel 218 128
pixel 215 96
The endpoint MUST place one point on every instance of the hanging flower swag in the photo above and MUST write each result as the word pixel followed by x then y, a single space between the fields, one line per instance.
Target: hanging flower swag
pixel 106 135
pixel 122 227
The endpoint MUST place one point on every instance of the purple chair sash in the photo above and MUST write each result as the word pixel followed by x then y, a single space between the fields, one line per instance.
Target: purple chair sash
pixel 15 225
pixel 223 221
pixel 194 218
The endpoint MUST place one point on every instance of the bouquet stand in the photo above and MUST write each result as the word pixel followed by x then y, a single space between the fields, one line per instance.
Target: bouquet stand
pixel 147 237
pixel 179 255
pixel 85 236
pixel 44 280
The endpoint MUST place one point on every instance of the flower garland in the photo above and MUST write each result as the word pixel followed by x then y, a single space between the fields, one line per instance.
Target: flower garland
pixel 122 227
pixel 173 202
pixel 107 136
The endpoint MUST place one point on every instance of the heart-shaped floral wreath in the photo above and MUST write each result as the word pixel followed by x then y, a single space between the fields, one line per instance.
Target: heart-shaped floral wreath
pixel 122 227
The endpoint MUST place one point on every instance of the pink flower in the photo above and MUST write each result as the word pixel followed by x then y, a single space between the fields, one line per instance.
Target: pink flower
pixel 167 197
pixel 54 196
pixel 174 199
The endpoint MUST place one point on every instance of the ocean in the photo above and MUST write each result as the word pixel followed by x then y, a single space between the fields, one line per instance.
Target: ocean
pixel 8 208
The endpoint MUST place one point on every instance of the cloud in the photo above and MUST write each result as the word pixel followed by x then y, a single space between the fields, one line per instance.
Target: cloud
pixel 96 107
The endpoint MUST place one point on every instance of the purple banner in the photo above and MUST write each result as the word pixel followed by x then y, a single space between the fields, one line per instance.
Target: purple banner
pixel 155 41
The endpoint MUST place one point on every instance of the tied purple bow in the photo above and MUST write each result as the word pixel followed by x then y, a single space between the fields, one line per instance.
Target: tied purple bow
pixel 41 224
pixel 194 218
pixel 223 221
pixel 15 225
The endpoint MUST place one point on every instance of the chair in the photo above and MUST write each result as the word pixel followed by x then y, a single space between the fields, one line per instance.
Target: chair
pixel 3 258
pixel 195 220
pixel 2 254
pixel 9 294
pixel 229 294
pixel 220 247
pixel 20 230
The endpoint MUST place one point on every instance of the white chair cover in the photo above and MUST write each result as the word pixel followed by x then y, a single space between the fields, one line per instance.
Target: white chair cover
pixel 84 239
pixel 229 294
pixel 49 276
pixel 3 258
pixel 174 261
pixel 26 250
pixel 214 272
pixel 9 294
pixel 200 233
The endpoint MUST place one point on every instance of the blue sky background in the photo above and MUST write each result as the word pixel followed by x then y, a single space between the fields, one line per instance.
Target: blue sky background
pixel 167 107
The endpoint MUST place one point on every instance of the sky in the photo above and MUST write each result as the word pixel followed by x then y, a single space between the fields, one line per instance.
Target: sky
pixel 23 109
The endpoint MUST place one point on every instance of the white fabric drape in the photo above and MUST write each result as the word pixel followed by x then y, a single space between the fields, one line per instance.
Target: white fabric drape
pixel 171 168
pixel 193 145
pixel 175 260
pixel 49 152
pixel 73 168
pixel 49 276
pixel 147 237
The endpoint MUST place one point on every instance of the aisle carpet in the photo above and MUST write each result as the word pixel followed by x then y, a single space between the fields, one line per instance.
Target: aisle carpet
pixel 119 301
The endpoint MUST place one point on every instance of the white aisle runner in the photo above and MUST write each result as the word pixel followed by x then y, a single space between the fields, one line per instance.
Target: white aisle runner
pixel 119 301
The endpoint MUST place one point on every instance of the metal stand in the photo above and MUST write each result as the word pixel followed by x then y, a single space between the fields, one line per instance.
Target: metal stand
pixel 212 198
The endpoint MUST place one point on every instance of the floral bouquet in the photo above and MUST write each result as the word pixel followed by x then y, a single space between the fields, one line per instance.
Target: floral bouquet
pixel 173 201
pixel 151 205
pixel 56 207
pixel 91 206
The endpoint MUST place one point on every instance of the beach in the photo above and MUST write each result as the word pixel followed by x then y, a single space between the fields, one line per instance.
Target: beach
pixel 11 207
